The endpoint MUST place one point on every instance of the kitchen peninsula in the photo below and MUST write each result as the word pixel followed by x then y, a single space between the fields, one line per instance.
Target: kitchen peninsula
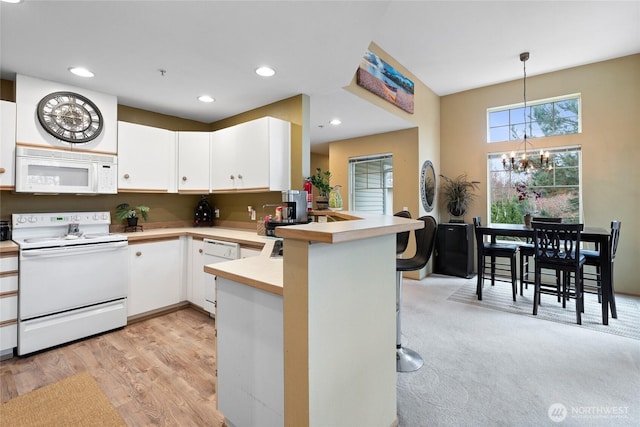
pixel 309 339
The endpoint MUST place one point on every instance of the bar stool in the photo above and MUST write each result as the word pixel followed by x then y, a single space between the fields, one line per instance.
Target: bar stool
pixel 408 360
pixel 402 239
pixel 493 251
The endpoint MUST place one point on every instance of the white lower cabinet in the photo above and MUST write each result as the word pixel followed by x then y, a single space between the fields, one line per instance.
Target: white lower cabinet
pixel 249 252
pixel 198 278
pixel 8 304
pixel 155 275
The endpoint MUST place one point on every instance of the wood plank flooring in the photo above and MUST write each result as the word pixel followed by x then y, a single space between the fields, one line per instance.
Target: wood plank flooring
pixel 160 371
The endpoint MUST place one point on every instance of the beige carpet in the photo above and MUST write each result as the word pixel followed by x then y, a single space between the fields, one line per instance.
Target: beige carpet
pixel 74 401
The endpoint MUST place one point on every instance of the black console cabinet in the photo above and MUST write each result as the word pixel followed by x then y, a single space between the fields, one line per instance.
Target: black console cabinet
pixel 454 249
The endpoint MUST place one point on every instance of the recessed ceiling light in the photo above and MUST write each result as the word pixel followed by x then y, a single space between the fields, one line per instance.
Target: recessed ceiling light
pixel 265 71
pixel 336 122
pixel 12 1
pixel 205 98
pixel 82 72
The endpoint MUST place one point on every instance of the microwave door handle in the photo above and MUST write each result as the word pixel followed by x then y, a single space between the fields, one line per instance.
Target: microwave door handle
pixel 94 166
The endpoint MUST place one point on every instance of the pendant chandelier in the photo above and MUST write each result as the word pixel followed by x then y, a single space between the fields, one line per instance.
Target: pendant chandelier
pixel 526 163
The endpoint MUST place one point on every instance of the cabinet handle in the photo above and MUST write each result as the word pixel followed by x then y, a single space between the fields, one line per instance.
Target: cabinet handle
pixel 138 253
pixel 126 176
pixel 239 176
pixel 2 170
pixel 200 251
pixel 231 177
pixel 184 178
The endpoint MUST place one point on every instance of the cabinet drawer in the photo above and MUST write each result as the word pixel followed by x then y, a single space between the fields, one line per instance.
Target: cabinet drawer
pixel 8 283
pixel 8 336
pixel 8 307
pixel 9 263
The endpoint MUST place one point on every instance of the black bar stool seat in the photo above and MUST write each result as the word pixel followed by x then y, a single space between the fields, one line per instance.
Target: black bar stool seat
pixel 408 360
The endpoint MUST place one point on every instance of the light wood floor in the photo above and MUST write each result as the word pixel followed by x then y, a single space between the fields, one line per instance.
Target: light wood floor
pixel 157 372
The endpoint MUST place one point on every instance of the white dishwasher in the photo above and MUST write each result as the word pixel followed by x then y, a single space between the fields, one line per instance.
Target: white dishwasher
pixel 216 251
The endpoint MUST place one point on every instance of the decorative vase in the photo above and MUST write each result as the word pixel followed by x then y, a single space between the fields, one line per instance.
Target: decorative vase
pixel 132 222
pixel 527 220
pixel 322 203
pixel 335 199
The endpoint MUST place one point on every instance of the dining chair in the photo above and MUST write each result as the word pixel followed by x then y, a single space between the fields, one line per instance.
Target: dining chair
pixel 557 247
pixel 408 360
pixel 402 238
pixel 526 252
pixel 495 251
pixel 593 259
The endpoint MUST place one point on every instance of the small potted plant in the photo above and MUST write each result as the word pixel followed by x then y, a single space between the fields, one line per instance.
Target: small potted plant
pixel 131 214
pixel 321 180
pixel 457 193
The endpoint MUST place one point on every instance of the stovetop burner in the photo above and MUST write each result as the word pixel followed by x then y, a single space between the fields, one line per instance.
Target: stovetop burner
pixel 45 230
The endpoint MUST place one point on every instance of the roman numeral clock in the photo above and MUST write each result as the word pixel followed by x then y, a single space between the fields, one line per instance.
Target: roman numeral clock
pixel 70 117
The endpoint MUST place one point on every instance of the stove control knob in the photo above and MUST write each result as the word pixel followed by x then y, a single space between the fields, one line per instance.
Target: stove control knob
pixel 33 219
pixel 21 220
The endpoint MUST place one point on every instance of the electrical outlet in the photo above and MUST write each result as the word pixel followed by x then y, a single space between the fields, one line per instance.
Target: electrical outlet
pixel 217 213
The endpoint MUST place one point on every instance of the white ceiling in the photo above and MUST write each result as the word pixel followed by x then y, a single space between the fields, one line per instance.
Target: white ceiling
pixel 213 47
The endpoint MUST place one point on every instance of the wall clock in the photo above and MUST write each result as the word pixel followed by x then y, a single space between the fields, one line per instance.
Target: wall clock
pixel 70 117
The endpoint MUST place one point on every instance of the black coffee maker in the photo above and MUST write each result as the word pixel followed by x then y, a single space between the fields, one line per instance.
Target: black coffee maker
pixel 203 214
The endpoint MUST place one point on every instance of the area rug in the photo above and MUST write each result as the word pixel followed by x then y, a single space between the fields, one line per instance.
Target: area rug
pixel 499 297
pixel 72 402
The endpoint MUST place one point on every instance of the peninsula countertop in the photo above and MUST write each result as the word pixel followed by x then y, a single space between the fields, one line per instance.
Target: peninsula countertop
pixel 266 273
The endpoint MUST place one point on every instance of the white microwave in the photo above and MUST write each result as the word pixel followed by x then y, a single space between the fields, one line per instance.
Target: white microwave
pixel 41 170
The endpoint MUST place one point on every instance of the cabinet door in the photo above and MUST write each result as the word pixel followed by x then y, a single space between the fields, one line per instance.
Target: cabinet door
pixel 249 252
pixel 7 145
pixel 146 158
pixel 197 274
pixel 193 162
pixel 223 159
pixel 252 154
pixel 155 270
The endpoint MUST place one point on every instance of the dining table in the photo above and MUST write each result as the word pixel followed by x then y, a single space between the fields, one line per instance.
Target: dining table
pixel 599 236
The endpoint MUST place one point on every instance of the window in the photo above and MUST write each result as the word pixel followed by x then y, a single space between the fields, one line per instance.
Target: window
pixel 554 193
pixel 371 184
pixel 548 117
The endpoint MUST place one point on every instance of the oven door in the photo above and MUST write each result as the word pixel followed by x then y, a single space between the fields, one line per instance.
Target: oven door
pixel 53 280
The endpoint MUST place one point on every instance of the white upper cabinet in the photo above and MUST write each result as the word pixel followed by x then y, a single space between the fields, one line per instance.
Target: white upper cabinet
pixel 252 156
pixel 193 162
pixel 7 145
pixel 146 158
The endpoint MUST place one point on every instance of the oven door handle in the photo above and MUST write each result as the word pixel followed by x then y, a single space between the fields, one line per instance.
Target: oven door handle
pixel 71 250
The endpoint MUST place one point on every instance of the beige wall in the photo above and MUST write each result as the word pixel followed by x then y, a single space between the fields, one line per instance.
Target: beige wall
pixel 403 145
pixel 609 140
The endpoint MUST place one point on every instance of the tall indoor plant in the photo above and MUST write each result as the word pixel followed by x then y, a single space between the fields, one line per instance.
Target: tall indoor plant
pixel 457 193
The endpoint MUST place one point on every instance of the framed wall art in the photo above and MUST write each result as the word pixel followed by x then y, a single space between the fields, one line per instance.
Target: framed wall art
pixel 380 78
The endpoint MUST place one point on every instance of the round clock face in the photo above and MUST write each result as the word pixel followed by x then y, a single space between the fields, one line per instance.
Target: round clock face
pixel 70 117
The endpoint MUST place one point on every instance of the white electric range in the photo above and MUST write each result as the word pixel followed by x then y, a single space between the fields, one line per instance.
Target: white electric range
pixel 73 277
